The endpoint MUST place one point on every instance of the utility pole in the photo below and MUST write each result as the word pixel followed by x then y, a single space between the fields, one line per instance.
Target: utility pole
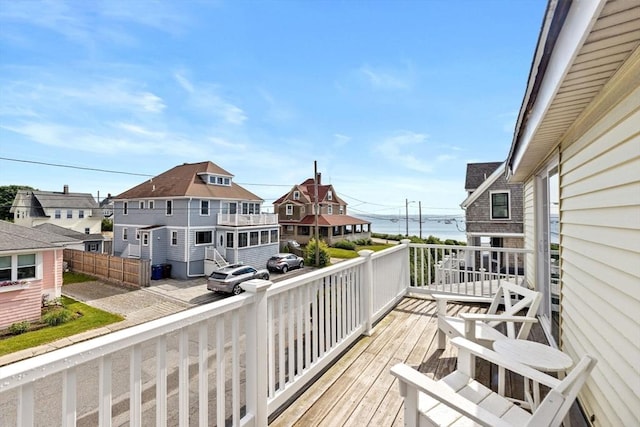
pixel 316 206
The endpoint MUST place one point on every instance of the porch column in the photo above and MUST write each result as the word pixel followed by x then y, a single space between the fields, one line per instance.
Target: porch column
pixel 257 350
pixel 367 290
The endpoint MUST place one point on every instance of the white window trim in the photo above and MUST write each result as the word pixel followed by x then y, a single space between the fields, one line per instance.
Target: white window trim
pixel 125 234
pixel 289 209
pixel 125 208
pixel 508 193
pixel 145 239
pixel 208 208
pixel 330 210
pixel 151 204
pixel 174 234
pixel 195 238
pixel 329 195
pixel 166 207
pixel 14 268
pixel 296 195
pixel 141 204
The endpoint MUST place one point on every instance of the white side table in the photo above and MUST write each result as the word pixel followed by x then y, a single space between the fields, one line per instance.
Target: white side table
pixel 534 354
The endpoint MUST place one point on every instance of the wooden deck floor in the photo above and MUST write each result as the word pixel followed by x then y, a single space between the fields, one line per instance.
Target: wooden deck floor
pixel 359 390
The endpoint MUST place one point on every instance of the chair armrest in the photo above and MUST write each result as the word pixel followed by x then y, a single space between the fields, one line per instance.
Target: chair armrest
pixel 461 298
pixel 464 345
pixel 497 318
pixel 408 376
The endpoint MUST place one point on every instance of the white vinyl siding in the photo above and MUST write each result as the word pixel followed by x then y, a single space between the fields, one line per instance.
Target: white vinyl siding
pixel 528 219
pixel 600 200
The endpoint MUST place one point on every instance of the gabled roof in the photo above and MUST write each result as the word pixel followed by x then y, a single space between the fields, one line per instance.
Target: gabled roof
pixel 66 232
pixel 185 181
pixel 477 173
pixel 307 193
pixel 484 186
pixel 37 201
pixel 15 237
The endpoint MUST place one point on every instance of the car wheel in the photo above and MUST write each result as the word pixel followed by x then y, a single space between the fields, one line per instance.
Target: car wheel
pixel 284 269
pixel 301 264
pixel 266 277
pixel 237 290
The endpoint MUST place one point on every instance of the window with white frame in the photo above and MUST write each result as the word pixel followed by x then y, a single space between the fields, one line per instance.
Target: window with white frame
pixel 80 214
pixel 151 204
pixel 330 195
pixel 87 230
pixel 229 240
pixel 141 204
pixel 341 210
pixel 125 208
pixel 204 207
pixel 253 238
pixel 274 236
pixel 137 234
pixel 145 239
pixel 242 240
pixel 204 237
pixel 289 209
pixel 264 237
pixel 296 195
pixel 169 207
pixel 174 238
pixel 125 231
pixel 69 214
pixel 330 210
pixel 57 214
pixel 18 267
pixel 499 205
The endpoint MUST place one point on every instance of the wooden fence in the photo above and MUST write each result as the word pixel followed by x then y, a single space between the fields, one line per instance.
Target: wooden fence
pixel 129 271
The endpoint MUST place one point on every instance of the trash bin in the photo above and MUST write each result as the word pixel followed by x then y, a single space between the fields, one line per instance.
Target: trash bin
pixel 166 271
pixel 156 272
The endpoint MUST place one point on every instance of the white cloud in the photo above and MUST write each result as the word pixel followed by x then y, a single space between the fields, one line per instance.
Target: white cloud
pixel 398 149
pixel 380 79
pixel 340 140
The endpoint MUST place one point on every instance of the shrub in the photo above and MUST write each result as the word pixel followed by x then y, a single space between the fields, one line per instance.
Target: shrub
pixel 19 327
pixel 57 317
pixel 310 253
pixel 345 244
pixel 363 242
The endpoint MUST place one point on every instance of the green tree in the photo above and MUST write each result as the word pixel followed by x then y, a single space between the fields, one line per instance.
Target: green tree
pixel 310 253
pixel 7 195
pixel 107 224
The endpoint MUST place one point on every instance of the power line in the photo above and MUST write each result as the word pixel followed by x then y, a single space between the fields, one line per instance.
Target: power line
pixel 74 167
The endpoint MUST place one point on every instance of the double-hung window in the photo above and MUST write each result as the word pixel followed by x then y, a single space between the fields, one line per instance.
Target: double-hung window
pixel 57 214
pixel 125 208
pixel 174 238
pixel 169 207
pixel 500 205
pixel 204 207
pixel 80 214
pixel 124 233
pixel 69 214
pixel 289 209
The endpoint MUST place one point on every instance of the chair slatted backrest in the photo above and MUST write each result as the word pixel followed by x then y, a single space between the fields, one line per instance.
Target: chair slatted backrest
pixel 515 298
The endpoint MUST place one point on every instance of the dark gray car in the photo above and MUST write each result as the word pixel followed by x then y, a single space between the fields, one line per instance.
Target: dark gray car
pixel 284 262
pixel 228 279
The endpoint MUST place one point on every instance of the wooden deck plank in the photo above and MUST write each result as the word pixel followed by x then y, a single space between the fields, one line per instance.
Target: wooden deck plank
pixel 359 390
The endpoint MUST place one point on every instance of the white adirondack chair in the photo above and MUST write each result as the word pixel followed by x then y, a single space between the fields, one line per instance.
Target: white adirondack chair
pixel 481 328
pixel 458 399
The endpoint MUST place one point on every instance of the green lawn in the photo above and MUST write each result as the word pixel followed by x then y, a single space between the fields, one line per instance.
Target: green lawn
pixel 91 318
pixel 347 254
pixel 73 277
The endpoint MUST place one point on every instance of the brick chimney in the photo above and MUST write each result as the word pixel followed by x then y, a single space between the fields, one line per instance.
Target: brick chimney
pixel 65 189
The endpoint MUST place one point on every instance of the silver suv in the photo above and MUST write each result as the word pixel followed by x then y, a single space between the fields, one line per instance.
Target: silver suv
pixel 228 279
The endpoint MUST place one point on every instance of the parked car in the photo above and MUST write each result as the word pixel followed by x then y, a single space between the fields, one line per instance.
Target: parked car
pixel 284 262
pixel 227 279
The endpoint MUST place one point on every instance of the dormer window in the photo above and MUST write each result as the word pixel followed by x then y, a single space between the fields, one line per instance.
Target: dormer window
pixel 296 195
pixel 219 180
pixel 330 195
pixel 289 209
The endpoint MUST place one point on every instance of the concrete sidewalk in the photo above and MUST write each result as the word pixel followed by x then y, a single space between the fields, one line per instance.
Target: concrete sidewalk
pixel 136 306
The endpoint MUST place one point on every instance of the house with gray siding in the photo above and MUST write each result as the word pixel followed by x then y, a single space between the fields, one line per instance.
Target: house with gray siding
pixel 191 217
pixel 493 209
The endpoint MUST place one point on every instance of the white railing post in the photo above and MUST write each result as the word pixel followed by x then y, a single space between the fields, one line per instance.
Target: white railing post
pixel 257 350
pixel 407 269
pixel 367 290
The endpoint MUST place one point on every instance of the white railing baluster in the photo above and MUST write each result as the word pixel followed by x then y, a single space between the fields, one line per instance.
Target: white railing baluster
pixel 220 371
pixel 306 307
pixel 135 388
pixel 105 393
pixel 271 342
pixel 235 371
pixel 183 378
pixel 281 341
pixel 161 382
pixel 203 373
pixel 25 405
pixel 69 397
pixel 291 354
pixel 299 332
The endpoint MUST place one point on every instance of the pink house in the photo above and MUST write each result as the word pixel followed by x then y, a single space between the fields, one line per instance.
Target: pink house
pixel 30 268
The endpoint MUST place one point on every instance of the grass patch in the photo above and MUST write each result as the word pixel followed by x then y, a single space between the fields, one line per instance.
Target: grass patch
pixel 348 254
pixel 69 277
pixel 87 318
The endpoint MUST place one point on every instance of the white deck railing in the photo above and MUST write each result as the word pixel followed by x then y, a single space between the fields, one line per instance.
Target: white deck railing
pixel 466 270
pixel 240 359
pixel 233 361
pixel 247 219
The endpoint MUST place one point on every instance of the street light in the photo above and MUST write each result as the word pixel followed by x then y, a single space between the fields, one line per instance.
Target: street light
pixel 406 215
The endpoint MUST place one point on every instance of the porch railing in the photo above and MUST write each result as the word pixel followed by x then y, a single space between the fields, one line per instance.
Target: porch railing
pixel 247 219
pixel 466 270
pixel 234 361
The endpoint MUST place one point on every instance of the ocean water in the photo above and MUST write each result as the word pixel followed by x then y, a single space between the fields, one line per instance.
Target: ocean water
pixel 442 227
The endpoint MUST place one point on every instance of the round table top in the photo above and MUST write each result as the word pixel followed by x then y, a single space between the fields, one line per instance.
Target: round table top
pixel 534 354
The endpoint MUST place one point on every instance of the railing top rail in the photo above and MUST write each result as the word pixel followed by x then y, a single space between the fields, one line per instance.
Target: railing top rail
pixel 37 367
pixel 395 248
pixel 474 248
pixel 288 284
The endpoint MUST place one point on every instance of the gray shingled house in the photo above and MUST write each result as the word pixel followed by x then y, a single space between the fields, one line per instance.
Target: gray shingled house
pixel 193 217
pixel 493 207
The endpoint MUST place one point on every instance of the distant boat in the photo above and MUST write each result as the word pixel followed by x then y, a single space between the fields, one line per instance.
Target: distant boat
pixel 393 220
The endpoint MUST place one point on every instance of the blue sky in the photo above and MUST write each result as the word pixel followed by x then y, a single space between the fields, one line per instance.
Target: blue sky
pixel 391 98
